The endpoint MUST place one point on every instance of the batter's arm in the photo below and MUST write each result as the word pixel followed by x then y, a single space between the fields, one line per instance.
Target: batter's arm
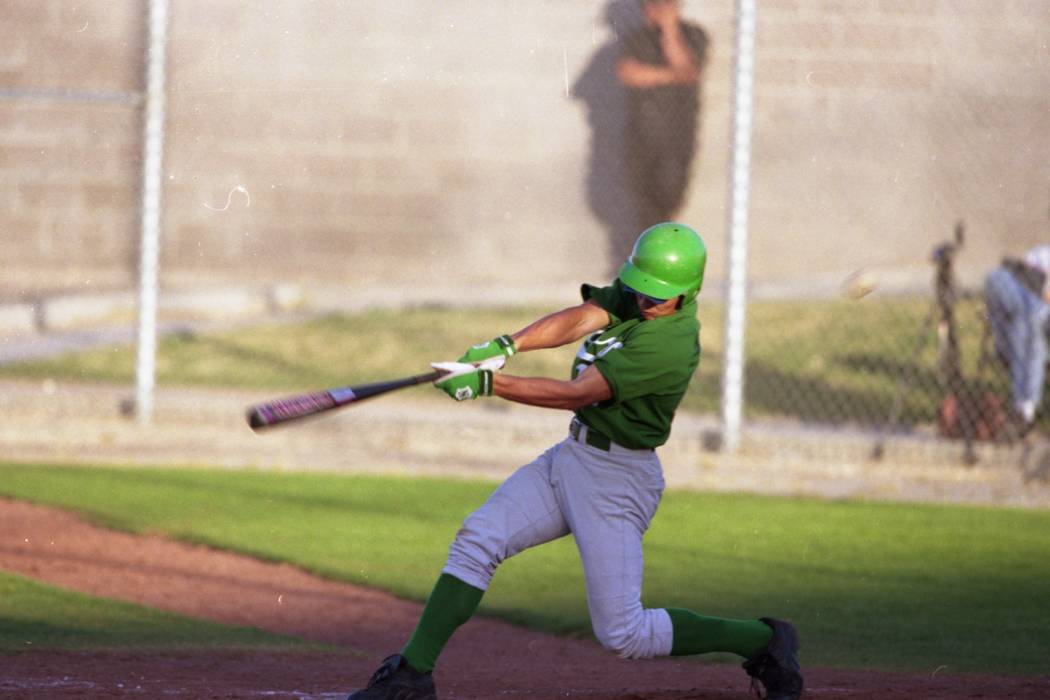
pixel 676 50
pixel 561 327
pixel 588 388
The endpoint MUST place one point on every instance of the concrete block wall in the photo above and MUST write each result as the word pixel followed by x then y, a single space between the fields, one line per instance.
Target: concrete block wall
pixel 68 165
pixel 880 123
pixel 377 143
pixel 446 147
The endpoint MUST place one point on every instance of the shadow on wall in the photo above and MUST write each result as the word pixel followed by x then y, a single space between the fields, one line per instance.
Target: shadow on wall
pixel 608 188
pixel 643 118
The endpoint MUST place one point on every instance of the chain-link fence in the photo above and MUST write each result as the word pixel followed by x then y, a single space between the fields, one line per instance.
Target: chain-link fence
pixel 891 367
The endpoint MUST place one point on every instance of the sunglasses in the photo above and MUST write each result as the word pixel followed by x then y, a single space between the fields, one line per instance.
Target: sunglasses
pixel 652 300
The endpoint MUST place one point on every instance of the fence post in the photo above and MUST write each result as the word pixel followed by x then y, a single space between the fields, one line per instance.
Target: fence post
pixel 739 192
pixel 152 162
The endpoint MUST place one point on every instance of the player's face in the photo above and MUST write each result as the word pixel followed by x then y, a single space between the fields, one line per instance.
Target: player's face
pixel 655 308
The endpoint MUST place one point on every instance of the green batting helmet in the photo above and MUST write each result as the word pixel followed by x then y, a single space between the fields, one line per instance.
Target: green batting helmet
pixel 668 260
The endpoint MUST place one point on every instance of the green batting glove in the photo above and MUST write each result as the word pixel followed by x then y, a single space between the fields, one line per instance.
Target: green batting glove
pixel 463 381
pixel 502 346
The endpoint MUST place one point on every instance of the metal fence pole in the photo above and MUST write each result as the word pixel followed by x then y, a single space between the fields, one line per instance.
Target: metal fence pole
pixel 152 161
pixel 739 192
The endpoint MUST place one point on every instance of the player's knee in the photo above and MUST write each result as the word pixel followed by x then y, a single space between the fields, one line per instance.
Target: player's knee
pixel 625 642
pixel 475 554
pixel 633 633
pixel 620 643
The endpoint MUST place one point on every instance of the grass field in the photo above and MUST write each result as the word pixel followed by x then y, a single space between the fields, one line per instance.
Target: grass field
pixel 816 360
pixel 871 585
pixel 37 616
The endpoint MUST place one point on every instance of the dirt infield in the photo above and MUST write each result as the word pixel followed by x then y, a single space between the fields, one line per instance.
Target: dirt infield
pixel 530 676
pixel 486 659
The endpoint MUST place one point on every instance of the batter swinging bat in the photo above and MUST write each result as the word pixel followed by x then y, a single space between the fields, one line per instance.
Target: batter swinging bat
pixel 267 415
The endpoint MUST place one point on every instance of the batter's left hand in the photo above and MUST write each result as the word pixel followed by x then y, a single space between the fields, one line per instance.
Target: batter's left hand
pixel 463 380
pixel 502 347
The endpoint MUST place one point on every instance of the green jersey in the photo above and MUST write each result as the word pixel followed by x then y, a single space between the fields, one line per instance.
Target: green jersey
pixel 648 365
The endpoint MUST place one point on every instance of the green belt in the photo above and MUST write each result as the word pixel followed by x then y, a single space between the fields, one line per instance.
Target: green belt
pixel 592 438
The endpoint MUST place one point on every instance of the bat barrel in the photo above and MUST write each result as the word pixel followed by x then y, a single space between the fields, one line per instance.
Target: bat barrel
pixel 292 408
pixel 295 407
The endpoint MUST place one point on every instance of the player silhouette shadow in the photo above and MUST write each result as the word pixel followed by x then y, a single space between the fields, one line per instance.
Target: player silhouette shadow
pixel 608 186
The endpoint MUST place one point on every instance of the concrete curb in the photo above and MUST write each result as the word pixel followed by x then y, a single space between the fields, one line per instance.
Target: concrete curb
pixel 17 318
pixel 76 312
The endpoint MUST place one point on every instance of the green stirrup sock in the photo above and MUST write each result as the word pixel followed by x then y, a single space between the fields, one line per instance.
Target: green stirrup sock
pixel 450 604
pixel 700 634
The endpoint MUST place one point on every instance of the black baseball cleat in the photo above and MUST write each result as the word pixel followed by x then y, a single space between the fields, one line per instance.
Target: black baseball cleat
pixel 776 667
pixel 396 680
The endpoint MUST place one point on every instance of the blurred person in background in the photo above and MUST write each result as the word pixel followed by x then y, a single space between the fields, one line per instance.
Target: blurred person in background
pixel 1017 299
pixel 660 64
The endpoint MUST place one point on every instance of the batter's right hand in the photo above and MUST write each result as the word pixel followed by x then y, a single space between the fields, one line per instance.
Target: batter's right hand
pixel 502 346
pixel 462 380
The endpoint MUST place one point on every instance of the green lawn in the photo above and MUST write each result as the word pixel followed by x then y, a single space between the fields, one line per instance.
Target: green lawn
pixel 38 616
pixel 824 360
pixel 869 584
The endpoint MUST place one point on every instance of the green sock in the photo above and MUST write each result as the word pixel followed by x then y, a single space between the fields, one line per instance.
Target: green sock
pixel 450 604
pixel 700 634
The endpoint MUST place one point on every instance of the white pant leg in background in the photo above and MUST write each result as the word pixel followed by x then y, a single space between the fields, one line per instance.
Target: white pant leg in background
pixel 1018 316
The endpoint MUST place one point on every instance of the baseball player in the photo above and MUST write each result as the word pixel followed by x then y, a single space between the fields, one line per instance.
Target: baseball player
pixel 1017 297
pixel 602 483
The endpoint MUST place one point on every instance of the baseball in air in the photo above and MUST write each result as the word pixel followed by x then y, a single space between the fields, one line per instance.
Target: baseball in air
pixel 860 284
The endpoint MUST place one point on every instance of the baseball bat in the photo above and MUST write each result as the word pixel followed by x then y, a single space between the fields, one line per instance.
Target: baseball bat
pixel 271 413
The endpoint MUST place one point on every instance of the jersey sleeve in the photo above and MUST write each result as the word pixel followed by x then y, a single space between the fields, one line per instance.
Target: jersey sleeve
pixel 620 305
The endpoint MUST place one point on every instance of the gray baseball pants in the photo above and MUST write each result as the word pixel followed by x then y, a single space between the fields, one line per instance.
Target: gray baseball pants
pixel 606 499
